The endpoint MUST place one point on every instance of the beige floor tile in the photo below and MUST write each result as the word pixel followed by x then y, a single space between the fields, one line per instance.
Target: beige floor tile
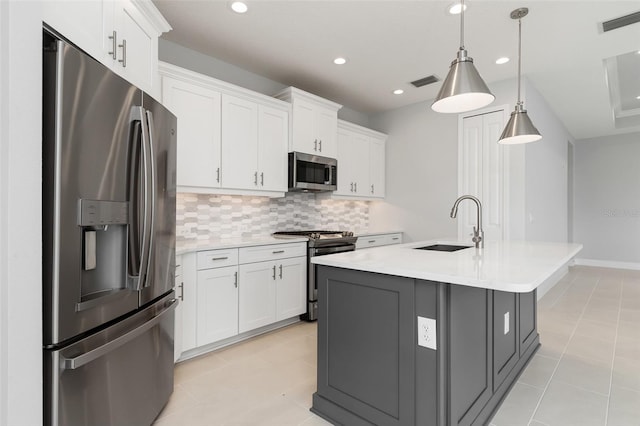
pixel 537 423
pixel 584 373
pixel 539 371
pixel 566 405
pixel 190 369
pixel 630 315
pixel 557 322
pixel 609 316
pixel 597 329
pixel 180 400
pixel 519 406
pixel 591 347
pixel 624 407
pixel 552 344
pixel 274 412
pixel 626 373
pixel 314 420
pixel 628 346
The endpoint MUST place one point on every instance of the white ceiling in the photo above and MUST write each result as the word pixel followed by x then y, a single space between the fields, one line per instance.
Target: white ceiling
pixel 391 43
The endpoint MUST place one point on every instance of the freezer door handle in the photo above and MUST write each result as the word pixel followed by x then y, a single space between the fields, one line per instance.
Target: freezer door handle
pixel 87 357
pixel 152 184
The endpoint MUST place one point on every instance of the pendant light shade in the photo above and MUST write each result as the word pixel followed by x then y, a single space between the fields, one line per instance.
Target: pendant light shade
pixel 463 90
pixel 519 128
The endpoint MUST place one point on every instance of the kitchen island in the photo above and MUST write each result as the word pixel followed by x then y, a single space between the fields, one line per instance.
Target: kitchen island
pixel 408 336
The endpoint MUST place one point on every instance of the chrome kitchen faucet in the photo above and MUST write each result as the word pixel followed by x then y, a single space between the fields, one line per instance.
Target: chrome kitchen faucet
pixel 478 233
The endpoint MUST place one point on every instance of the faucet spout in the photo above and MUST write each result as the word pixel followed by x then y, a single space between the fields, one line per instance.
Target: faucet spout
pixel 478 232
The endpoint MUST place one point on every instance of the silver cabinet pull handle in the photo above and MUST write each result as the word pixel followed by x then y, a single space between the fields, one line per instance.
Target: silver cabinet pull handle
pixel 372 241
pixel 255 178
pixel 123 61
pixel 355 187
pixel 281 271
pixel 315 144
pixel 181 297
pixel 395 238
pixel 372 188
pixel 274 272
pixel 114 45
pixel 262 179
pixel 320 145
pixel 277 251
pixel 218 175
pixel 351 186
pixel 220 258
pixel 235 281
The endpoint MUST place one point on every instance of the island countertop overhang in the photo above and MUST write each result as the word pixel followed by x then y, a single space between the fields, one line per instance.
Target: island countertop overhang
pixel 513 266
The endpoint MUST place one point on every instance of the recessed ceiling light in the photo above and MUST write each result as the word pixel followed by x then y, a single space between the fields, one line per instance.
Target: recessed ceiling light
pixel 339 61
pixel 502 60
pixel 638 97
pixel 456 8
pixel 398 92
pixel 239 7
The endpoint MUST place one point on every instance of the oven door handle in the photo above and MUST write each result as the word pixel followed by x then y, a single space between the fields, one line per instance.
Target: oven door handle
pixel 330 250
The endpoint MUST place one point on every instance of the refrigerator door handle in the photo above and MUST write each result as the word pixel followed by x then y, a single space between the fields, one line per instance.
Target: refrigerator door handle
pixel 80 360
pixel 139 265
pixel 152 187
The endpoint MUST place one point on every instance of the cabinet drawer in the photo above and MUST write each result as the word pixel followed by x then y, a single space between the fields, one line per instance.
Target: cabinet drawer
pixel 217 258
pixel 272 252
pixel 393 238
pixel 378 240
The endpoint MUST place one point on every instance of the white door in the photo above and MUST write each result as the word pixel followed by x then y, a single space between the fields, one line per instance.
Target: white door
pixel 239 143
pixel 257 298
pixel 345 168
pixel 377 168
pixel 217 304
pixel 273 136
pixel 291 287
pixel 360 165
pixel 482 174
pixel 135 57
pixel 198 113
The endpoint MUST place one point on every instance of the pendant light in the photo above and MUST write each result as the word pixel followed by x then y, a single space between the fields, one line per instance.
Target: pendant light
pixel 463 89
pixel 519 128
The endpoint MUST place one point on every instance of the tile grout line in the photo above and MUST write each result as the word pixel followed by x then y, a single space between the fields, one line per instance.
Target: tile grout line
pixel 565 346
pixel 613 363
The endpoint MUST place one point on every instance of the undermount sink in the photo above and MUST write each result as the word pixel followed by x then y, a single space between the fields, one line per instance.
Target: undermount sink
pixel 443 247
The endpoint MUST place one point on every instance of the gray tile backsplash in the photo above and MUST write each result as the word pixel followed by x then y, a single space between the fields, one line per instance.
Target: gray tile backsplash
pixel 205 216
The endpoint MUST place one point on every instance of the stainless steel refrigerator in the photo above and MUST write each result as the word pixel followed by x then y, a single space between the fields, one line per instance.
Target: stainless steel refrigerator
pixel 109 187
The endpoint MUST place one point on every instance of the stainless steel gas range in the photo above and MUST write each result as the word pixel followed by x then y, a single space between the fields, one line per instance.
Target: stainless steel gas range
pixel 320 243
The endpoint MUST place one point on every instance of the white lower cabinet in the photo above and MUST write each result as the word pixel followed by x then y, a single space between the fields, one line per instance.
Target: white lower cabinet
pixel 257 295
pixel 217 304
pixel 226 292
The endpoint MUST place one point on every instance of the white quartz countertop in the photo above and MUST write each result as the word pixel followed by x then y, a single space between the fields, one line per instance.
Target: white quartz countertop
pixel 226 243
pixel 514 266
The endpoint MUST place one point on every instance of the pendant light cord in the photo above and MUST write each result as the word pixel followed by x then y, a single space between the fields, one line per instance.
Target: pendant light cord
pixel 462 25
pixel 519 57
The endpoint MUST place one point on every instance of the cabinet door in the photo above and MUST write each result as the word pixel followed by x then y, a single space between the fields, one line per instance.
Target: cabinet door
pixel 177 334
pixel 291 288
pixel 239 143
pixel 136 38
pixel 217 304
pixel 377 168
pixel 257 303
pixel 273 136
pixel 326 122
pixel 505 340
pixel 345 168
pixel 304 137
pixel 198 112
pixel 187 294
pixel 359 163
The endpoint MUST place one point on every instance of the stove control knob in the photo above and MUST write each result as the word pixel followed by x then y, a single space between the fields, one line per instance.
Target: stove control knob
pixel 314 236
pixel 347 234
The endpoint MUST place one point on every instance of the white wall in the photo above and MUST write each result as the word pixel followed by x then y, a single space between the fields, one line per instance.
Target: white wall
pixel 546 173
pixel 190 59
pixel 20 213
pixel 422 171
pixel 607 199
pixel 421 168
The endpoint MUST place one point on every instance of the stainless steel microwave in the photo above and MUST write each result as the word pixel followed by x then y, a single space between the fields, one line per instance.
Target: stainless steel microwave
pixel 312 173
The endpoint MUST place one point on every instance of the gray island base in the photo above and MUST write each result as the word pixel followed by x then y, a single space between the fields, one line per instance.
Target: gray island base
pixel 371 370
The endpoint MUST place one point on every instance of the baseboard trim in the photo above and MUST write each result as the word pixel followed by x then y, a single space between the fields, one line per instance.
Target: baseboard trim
pixel 608 264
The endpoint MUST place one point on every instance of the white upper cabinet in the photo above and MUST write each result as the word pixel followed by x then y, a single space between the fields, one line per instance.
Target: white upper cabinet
pixel 361 162
pixel 239 143
pixel 122 34
pixel 198 112
pixel 314 124
pixel 230 140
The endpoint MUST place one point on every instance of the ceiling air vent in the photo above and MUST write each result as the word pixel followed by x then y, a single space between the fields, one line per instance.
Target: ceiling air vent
pixel 424 81
pixel 620 22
